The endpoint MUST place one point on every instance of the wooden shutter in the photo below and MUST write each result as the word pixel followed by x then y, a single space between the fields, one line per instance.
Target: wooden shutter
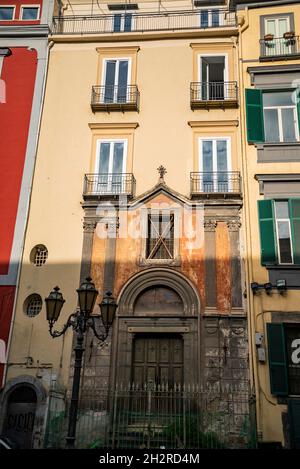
pixel 255 116
pixel 277 359
pixel 267 232
pixel 294 210
pixel 294 421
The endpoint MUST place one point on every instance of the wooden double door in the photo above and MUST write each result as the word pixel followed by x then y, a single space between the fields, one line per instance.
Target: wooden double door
pixel 157 358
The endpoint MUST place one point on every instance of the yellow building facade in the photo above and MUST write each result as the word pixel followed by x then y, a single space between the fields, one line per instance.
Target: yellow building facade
pixel 269 71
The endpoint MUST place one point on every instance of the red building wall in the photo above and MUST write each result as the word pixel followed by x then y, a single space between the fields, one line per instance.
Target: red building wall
pixel 17 4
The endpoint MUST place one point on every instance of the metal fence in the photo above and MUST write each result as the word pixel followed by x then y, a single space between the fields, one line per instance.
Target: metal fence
pixel 149 416
pixel 110 95
pixel 214 91
pixel 132 22
pixel 109 184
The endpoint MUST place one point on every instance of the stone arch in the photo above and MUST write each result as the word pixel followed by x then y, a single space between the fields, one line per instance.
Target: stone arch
pixel 30 382
pixel 164 277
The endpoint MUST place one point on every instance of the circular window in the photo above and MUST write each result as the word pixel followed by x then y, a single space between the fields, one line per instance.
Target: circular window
pixel 33 305
pixel 38 255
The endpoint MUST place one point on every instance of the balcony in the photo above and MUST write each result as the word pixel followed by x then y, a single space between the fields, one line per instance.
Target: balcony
pixel 108 185
pixel 226 184
pixel 137 22
pixel 279 48
pixel 115 98
pixel 214 94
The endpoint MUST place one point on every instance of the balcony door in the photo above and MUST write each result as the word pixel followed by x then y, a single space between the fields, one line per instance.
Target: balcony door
pixel 116 79
pixel 214 164
pixel 277 27
pixel 212 77
pixel 110 166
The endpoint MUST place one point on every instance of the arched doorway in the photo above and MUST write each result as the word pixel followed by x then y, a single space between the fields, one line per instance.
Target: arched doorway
pixel 20 415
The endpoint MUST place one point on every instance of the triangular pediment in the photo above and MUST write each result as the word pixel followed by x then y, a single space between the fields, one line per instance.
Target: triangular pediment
pixel 161 193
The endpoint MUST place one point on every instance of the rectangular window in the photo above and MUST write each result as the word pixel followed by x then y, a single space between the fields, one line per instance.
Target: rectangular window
pixel 275 42
pixel 212 77
pixel 115 80
pixel 209 18
pixel 29 13
pixel 280 117
pixel 111 166
pixel 160 236
pixel 214 164
pixel 122 22
pixel 284 358
pixel 279 223
pixel 7 13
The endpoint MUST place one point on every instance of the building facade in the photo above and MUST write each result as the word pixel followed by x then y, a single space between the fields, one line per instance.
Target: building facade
pixel 24 28
pixel 270 73
pixel 138 185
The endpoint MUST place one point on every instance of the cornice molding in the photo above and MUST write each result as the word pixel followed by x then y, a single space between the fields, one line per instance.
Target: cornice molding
pixel 33 31
pixel 118 48
pixel 113 125
pixel 222 123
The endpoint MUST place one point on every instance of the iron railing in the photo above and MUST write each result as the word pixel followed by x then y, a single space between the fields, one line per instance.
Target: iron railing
pixel 218 92
pixel 173 20
pixel 109 184
pixel 158 416
pixel 279 47
pixel 221 182
pixel 115 97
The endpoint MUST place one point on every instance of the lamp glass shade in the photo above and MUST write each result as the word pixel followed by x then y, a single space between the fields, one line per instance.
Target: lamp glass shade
pixel 108 308
pixel 54 304
pixel 87 295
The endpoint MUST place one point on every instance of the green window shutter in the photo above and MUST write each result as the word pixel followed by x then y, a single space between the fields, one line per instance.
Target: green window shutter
pixel 298 106
pixel 255 116
pixel 267 232
pixel 294 421
pixel 294 209
pixel 277 359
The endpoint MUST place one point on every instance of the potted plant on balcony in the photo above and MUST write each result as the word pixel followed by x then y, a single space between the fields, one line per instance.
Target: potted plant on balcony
pixel 268 37
pixel 289 35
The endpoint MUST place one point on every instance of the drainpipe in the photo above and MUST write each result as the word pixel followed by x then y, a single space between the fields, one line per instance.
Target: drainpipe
pixel 254 376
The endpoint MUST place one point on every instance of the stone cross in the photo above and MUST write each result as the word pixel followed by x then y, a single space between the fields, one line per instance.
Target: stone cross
pixel 161 171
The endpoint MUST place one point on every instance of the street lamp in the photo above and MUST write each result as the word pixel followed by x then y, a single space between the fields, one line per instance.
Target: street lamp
pixel 80 321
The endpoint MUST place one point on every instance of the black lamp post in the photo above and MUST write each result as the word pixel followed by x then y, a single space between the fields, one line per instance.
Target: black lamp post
pixel 80 321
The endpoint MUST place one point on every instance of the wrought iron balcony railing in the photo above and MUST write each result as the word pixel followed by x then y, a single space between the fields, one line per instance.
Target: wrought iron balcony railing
pixel 214 94
pixel 279 47
pixel 108 185
pixel 216 183
pixel 109 97
pixel 137 22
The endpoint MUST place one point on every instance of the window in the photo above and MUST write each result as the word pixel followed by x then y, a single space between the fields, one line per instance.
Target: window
pixel 275 28
pixel 209 18
pixel 39 255
pixel 33 305
pixel 279 223
pixel 284 358
pixel 272 117
pixel 160 236
pixel 111 166
pixel 214 163
pixel 280 117
pixel 115 80
pixel 212 77
pixel 7 13
pixel 29 13
pixel 122 22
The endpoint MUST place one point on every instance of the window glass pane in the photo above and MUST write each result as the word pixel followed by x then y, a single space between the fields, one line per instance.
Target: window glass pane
pixel 221 155
pixel 271 125
pixel 110 81
pixel 284 239
pixel 215 18
pixel 288 125
pixel 122 81
pixel 207 155
pixel 283 26
pixel 283 98
pixel 104 157
pixel 117 22
pixel 6 13
pixel 118 157
pixel 127 22
pixel 204 18
pixel 29 13
pixel 270 27
pixel 282 209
